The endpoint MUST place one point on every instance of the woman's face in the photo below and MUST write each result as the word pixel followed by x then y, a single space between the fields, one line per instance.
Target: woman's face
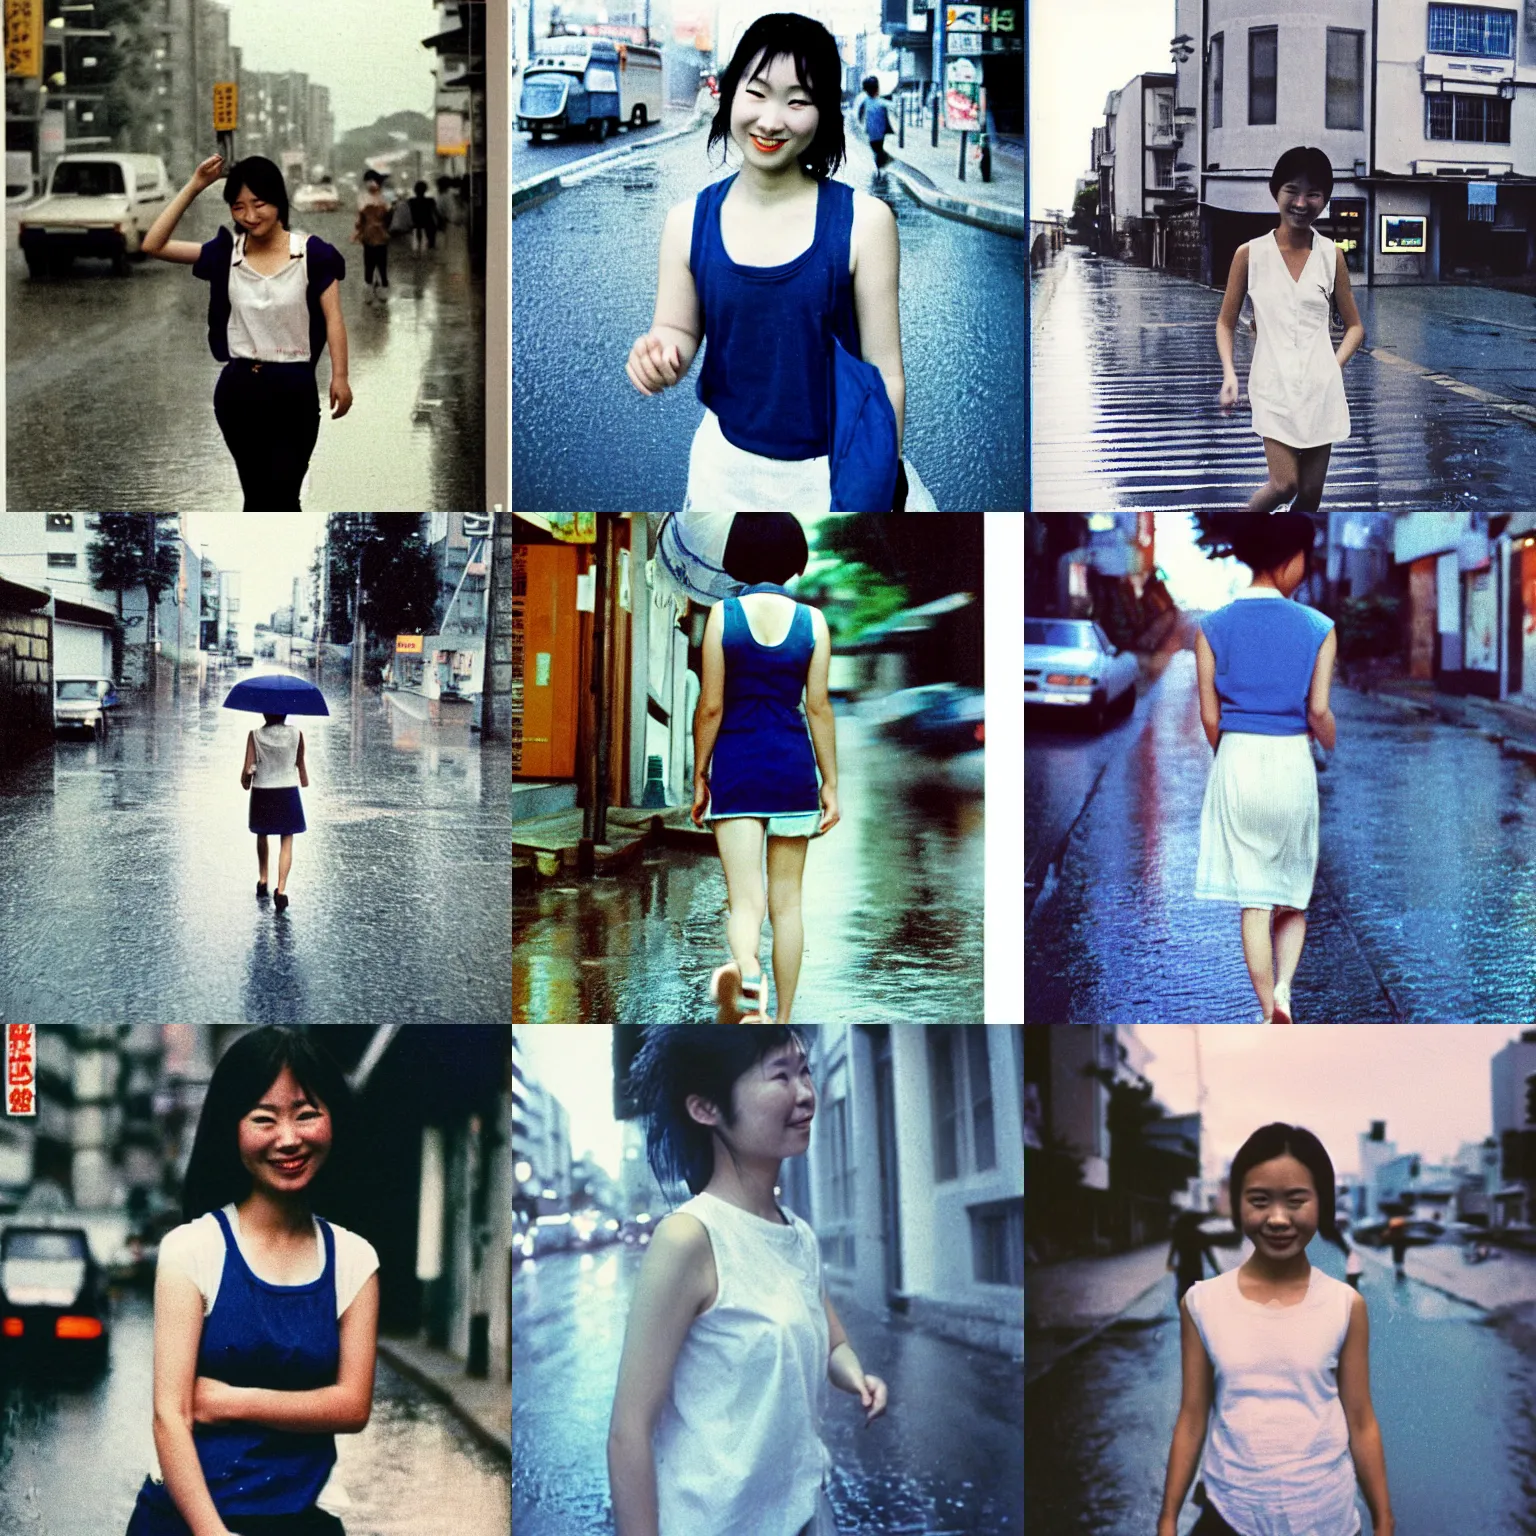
pixel 1300 203
pixel 775 1102
pixel 1280 1211
pixel 285 1138
pixel 256 218
pixel 773 118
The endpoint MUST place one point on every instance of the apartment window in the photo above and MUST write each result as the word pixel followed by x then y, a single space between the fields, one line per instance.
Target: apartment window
pixel 997 1242
pixel 1165 114
pixel 1472 29
pixel 946 1114
pixel 1162 168
pixel 1345 103
pixel 61 522
pixel 979 1082
pixel 1471 119
pixel 1218 50
pixel 1263 64
pixel 63 562
pixel 837 1240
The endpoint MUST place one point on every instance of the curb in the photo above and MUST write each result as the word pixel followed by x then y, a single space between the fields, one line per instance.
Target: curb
pixel 537 189
pixel 1086 1338
pixel 990 216
pixel 435 1390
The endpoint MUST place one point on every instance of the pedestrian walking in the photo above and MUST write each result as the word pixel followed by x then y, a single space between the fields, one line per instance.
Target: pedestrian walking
pixel 274 304
pixel 1397 1238
pixel 266 1313
pixel 371 231
pixel 1189 1250
pixel 1296 276
pixel 716 1422
pixel 424 218
pixel 876 120
pixel 764 771
pixel 1265 667
pixel 1276 1365
pixel 273 771
pixel 778 265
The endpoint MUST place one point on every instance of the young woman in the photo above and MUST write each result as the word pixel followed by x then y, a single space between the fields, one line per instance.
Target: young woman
pixel 273 307
pixel 1265 669
pixel 716 1417
pixel 1276 1359
pixel 266 1315
pixel 1296 385
pixel 765 264
pixel 755 762
pixel 273 771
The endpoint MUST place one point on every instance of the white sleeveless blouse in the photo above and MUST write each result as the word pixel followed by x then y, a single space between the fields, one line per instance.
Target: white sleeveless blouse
pixel 1277 1459
pixel 738 1448
pixel 277 757
pixel 269 315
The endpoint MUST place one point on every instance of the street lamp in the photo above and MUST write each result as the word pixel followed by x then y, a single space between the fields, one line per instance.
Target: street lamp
pixel 524 1172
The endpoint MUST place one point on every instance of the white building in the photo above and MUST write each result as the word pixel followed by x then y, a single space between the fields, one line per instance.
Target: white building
pixel 1512 1075
pixel 1134 155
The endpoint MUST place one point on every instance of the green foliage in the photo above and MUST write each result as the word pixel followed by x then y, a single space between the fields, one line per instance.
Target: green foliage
pixel 135 549
pixel 1085 211
pixel 854 596
pixel 399 577
pixel 1369 626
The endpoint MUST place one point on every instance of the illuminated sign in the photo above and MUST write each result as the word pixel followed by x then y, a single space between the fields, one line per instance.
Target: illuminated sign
pixel 1404 234
pixel 226 106
pixel 408 645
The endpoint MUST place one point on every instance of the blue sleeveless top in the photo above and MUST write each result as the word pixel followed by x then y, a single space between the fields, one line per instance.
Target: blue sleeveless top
pixel 764 764
pixel 765 362
pixel 1265 649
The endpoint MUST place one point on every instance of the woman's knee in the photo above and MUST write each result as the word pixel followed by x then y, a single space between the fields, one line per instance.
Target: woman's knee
pixel 1283 485
pixel 783 901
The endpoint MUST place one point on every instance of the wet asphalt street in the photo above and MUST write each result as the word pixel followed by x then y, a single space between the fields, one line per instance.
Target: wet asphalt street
pixel 73 1455
pixel 1453 1397
pixel 124 363
pixel 946 1459
pixel 585 287
pixel 128 892
pixel 892 902
pixel 530 159
pixel 1126 377
pixel 1420 913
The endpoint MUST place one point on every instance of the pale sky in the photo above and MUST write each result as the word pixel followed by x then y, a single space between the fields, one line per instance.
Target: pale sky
pixel 1080 51
pixel 1429 1082
pixel 367 51
pixel 1195 580
pixel 268 549
pixel 575 1063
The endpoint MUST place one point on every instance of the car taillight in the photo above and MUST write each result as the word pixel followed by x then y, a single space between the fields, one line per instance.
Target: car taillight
pixel 77 1328
pixel 981 731
pixel 1069 680
pixel 13 1328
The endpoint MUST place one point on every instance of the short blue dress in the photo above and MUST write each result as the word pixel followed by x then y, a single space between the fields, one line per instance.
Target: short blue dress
pixel 764 765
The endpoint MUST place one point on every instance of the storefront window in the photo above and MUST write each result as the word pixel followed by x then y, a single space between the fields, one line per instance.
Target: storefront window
pixel 1218 48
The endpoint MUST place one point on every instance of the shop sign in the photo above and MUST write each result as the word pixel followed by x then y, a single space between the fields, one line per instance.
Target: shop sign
pixel 24 38
pixel 963 43
pixel 226 106
pixel 962 95
pixel 1404 234
pixel 452 135
pixel 965 17
pixel 1480 651
pixel 21 1069
pixel 408 645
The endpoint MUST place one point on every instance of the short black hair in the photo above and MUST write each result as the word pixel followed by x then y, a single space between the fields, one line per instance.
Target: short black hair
pixel 215 1175
pixel 1261 540
pixel 872 84
pixel 1303 160
pixel 421 188
pixel 274 719
pixel 818 67
pixel 1281 1140
pixel 765 546
pixel 676 1060
pixel 261 178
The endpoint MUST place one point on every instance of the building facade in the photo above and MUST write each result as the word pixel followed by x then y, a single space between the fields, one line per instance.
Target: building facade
pixel 1512 1081
pixel 1134 156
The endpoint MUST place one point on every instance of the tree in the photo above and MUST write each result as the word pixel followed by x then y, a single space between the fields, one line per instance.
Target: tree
pixel 399 577
pixel 135 549
pixel 1084 221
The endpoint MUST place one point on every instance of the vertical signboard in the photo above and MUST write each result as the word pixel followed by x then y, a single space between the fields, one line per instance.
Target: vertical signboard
pixel 21 1069
pixel 24 38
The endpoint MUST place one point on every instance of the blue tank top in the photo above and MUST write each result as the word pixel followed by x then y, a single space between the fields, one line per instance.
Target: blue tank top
pixel 1265 649
pixel 765 356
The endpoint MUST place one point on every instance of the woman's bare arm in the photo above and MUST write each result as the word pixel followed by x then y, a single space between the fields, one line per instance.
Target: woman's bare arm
pixel 661 357
pixel 818 706
pixel 303 771
pixel 1320 719
pixel 675 1282
pixel 340 1409
pixel 1189 1427
pixel 178 1332
pixel 1364 1432
pixel 1205 675
pixel 876 282
pixel 1349 313
pixel 710 709
pixel 1226 321
pixel 250 760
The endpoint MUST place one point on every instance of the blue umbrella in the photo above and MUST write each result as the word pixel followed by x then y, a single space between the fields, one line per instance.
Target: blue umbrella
pixel 277 693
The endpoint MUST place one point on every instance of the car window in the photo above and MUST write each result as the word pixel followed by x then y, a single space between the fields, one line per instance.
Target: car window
pixel 88 178
pixel 42 1245
pixel 1057 632
pixel 1104 641
pixel 77 690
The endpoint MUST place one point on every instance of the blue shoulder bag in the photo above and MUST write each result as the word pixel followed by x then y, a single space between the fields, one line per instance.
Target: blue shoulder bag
pixel 861 424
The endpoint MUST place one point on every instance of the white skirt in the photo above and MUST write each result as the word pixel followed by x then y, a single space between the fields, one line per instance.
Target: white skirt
pixel 1258 825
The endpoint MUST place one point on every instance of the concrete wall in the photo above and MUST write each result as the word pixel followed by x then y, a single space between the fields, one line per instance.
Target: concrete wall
pixel 26 681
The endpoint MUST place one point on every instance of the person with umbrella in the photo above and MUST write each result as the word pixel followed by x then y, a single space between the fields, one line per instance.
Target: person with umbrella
pixel 274 768
pixel 1397 1239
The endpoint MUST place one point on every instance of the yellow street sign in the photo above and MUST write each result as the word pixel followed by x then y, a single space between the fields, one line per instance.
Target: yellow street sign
pixel 24 38
pixel 408 645
pixel 226 106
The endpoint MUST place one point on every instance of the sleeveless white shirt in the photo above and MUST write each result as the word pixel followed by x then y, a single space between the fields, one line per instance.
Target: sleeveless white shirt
pixel 269 316
pixel 277 757
pixel 1277 1459
pixel 738 1448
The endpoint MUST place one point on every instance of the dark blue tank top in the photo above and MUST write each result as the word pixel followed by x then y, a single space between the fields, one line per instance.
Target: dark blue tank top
pixel 765 356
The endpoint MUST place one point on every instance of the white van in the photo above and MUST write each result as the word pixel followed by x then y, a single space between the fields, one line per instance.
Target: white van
pixel 98 205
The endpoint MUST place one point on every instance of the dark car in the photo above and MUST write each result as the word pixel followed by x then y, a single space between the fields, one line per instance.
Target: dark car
pixel 53 1296
pixel 938 718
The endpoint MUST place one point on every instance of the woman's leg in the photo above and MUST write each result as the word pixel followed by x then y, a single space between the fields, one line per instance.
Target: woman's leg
pixel 1311 471
pixel 786 872
pixel 1259 953
pixel 261 857
pixel 1284 477
pixel 236 410
pixel 294 431
pixel 740 841
pixel 284 860
pixel 1290 934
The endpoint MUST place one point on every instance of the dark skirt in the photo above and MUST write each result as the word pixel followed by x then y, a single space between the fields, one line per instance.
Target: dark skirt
pixel 154 1515
pixel 277 812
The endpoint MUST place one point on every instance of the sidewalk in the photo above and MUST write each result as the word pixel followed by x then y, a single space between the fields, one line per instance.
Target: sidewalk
pixel 550 843
pixel 1512 726
pixel 1503 1285
pixel 484 1407
pixel 932 176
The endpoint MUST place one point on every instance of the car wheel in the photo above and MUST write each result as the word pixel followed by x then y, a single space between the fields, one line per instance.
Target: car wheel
pixel 600 127
pixel 637 118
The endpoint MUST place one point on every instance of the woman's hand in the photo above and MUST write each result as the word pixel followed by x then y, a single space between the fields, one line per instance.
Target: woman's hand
pixel 213 1402
pixel 341 398
pixel 210 171
pixel 700 800
pixel 830 814
pixel 1229 392
pixel 654 364
pixel 245 778
pixel 873 1394
pixel 1167 1525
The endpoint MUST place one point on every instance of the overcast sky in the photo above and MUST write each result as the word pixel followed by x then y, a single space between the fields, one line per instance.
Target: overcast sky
pixel 575 1063
pixel 368 51
pixel 1429 1082
pixel 1194 579
pixel 1080 51
pixel 268 549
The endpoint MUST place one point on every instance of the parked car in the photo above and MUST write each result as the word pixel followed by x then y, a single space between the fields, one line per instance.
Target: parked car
pixel 81 704
pixel 316 197
pixel 97 205
pixel 1074 664
pixel 53 1296
pixel 938 718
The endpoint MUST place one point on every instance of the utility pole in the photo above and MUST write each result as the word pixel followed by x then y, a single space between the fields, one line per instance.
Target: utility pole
pixel 358 639
pixel 496 668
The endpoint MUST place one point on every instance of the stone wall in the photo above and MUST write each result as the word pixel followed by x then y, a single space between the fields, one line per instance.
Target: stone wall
pixel 26 682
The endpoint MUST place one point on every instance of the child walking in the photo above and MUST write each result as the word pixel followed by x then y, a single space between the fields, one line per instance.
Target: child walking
pixel 1295 275
pixel 273 771
pixel 1276 1364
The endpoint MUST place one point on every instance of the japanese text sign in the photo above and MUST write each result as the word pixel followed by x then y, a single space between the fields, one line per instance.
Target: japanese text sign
pixel 21 1069
pixel 24 38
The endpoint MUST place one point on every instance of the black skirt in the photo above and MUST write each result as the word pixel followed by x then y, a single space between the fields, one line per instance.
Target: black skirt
pixel 277 812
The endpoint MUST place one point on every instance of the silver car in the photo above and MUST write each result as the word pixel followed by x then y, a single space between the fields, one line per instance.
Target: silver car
pixel 1072 662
